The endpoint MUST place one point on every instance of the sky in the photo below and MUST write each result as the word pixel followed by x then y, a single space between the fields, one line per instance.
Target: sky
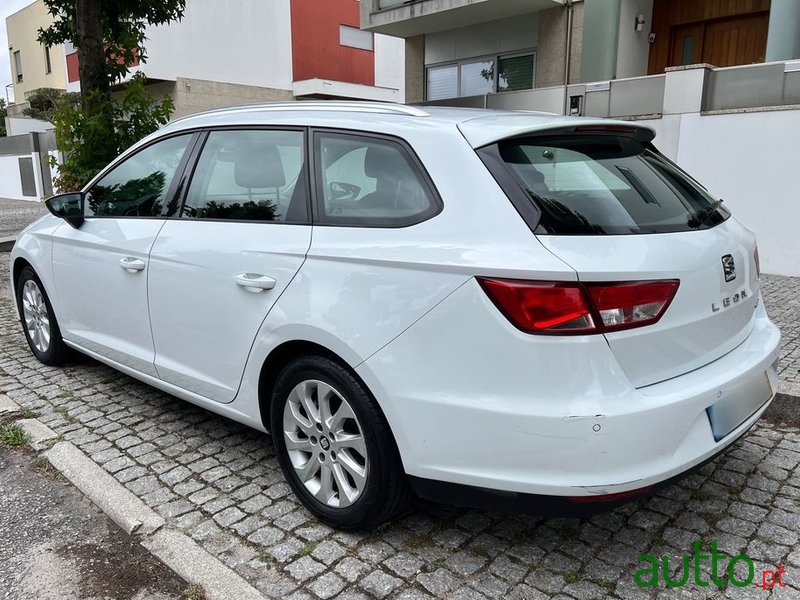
pixel 7 7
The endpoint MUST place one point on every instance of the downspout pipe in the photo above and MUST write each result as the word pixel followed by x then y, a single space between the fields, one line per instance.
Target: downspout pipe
pixel 567 54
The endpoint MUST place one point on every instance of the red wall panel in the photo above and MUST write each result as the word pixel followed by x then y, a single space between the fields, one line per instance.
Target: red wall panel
pixel 72 67
pixel 316 51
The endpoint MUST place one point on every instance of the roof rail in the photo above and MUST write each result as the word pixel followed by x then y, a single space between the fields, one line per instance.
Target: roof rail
pixel 317 105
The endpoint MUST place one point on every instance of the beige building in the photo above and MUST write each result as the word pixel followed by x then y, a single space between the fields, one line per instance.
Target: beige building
pixel 33 65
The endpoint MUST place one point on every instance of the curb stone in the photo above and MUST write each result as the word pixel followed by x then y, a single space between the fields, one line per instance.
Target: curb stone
pixel 185 556
pixel 176 550
pixel 7 405
pixel 125 509
pixel 39 433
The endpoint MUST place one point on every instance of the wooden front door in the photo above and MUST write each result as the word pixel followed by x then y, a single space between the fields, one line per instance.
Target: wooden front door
pixel 720 32
pixel 739 41
pixel 687 44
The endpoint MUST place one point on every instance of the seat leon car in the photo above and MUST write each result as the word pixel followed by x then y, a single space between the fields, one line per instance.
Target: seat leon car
pixel 462 303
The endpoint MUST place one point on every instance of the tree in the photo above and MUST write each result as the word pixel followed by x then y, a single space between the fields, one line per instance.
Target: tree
pixel 109 36
pixel 3 113
pixel 43 103
pixel 131 116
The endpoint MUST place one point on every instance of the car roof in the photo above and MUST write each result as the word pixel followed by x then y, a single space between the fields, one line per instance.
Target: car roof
pixel 479 126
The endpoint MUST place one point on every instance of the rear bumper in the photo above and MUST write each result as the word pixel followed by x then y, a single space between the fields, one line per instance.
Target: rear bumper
pixel 550 416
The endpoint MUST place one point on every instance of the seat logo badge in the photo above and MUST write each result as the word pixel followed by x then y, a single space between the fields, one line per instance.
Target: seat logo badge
pixel 728 267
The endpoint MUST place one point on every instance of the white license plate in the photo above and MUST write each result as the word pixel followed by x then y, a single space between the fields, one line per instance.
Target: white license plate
pixel 738 404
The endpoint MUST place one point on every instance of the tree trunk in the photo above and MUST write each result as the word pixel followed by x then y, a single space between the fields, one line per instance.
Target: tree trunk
pixel 98 136
pixel 91 50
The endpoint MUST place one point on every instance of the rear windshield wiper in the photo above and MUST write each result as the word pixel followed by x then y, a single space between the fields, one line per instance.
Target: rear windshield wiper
pixel 702 215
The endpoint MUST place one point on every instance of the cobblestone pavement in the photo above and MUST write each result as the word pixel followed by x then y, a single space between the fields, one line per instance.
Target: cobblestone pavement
pixel 782 296
pixel 220 483
pixel 15 215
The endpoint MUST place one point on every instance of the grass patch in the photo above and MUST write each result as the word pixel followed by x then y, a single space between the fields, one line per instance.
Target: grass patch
pixel 702 495
pixel 479 551
pixel 572 577
pixel 28 413
pixel 13 436
pixel 605 583
pixel 712 519
pixel 308 549
pixel 43 467
pixel 62 410
pixel 193 592
pixel 419 540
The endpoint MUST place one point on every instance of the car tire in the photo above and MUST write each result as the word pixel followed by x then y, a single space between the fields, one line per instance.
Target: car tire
pixel 39 321
pixel 347 491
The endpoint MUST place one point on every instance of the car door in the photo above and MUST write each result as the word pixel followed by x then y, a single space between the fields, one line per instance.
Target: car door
pixel 100 270
pixel 216 271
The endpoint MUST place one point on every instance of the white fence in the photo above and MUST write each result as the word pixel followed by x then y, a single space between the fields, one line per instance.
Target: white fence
pixel 734 129
pixel 25 172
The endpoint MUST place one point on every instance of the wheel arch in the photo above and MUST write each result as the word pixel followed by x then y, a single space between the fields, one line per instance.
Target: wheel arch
pixel 286 352
pixel 16 269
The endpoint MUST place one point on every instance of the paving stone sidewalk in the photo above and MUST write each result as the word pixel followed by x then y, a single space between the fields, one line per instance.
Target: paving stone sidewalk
pixel 220 483
pixel 15 215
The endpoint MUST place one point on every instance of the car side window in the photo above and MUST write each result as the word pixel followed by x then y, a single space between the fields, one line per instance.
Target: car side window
pixel 138 185
pixel 369 181
pixel 256 175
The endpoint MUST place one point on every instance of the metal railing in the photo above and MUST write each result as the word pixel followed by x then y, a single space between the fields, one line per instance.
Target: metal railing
pixel 759 86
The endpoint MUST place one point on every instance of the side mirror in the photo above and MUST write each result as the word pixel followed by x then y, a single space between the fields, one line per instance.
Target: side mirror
pixel 68 207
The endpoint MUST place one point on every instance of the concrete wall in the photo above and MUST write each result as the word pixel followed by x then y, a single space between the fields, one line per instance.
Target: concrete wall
pixel 21 125
pixel 10 183
pixel 491 37
pixel 749 159
pixel 195 95
pixel 390 65
pixel 415 69
pixel 212 44
pixel 633 50
pixel 22 32
pixel 551 51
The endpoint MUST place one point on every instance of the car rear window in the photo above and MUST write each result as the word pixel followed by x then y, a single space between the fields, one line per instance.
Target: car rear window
pixel 606 184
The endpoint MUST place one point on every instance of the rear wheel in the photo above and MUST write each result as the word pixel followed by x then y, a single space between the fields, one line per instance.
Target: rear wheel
pixel 38 320
pixel 335 446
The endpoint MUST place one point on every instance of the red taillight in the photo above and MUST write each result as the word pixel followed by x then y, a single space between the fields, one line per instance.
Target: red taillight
pixel 555 308
pixel 541 306
pixel 633 304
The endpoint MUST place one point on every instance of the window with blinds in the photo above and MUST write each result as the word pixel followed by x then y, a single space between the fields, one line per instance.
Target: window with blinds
pixel 515 73
pixel 442 82
pixel 508 73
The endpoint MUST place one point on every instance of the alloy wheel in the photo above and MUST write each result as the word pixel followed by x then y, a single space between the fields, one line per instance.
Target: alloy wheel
pixel 325 443
pixel 37 319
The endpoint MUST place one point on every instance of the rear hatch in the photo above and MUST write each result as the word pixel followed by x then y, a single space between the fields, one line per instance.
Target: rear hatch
pixel 615 210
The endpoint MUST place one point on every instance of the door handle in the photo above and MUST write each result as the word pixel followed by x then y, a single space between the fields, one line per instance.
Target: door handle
pixel 254 282
pixel 131 265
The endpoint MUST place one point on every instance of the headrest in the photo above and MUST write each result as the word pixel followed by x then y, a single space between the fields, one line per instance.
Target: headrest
pixel 258 164
pixel 383 161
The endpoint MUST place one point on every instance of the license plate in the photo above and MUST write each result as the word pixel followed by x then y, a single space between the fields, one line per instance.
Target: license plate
pixel 738 404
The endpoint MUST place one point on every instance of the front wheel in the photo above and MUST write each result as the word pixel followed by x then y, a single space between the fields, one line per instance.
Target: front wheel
pixel 335 446
pixel 38 320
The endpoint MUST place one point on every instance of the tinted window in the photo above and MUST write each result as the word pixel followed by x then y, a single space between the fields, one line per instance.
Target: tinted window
pixel 137 187
pixel 370 181
pixel 607 185
pixel 250 176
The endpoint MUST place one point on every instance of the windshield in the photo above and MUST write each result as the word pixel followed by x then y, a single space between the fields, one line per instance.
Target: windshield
pixel 607 184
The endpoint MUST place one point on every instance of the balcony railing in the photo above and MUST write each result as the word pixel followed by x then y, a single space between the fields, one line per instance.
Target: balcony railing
pixel 708 89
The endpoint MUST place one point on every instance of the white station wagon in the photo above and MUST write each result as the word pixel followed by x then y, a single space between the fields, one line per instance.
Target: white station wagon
pixel 478 306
